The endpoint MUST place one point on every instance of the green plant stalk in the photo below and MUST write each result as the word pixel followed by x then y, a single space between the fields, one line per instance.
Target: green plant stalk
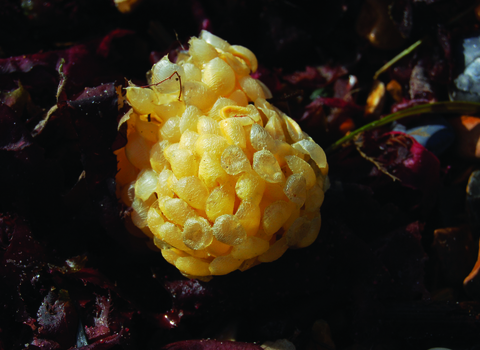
pixel 455 107
pixel 397 58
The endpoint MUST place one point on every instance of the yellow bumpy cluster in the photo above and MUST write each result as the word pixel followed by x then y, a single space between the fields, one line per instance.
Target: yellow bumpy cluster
pixel 217 176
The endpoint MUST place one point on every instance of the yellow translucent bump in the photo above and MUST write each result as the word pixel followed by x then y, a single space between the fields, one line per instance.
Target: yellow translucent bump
pixel 266 166
pixel 171 130
pixel 297 231
pixel 171 234
pixel 201 52
pixel 201 213
pixel 293 216
pixel 296 189
pixel 170 255
pixel 313 150
pixel 126 171
pixel 312 233
pixel 239 97
pixel 220 202
pixel 137 151
pixel 171 181
pixel 283 149
pixel 183 163
pixel 303 232
pixel 223 265
pixel 268 94
pixel 155 218
pixel 255 114
pixel 245 121
pixel 163 71
pixel 265 107
pixel 219 76
pixel 294 131
pixel 192 266
pixel 246 55
pixel 274 127
pixel 233 131
pixel 198 94
pixel 210 171
pixel 201 254
pixel 140 212
pixel 197 233
pixel 275 216
pixel 214 144
pixel 170 109
pixel 250 248
pixel 217 248
pixel 234 161
pixel 228 229
pixel 207 125
pixel 146 184
pixel 299 166
pixel 274 192
pixel 275 251
pixel 142 100
pixel 147 129
pixel 238 66
pixel 189 119
pixel 128 193
pixel 249 150
pixel 243 115
pixel 187 141
pixel 233 111
pixel 325 171
pixel 261 234
pixel 214 40
pixel 176 210
pixel 314 199
pixel 192 190
pixel 168 150
pixel 192 72
pixel 221 103
pixel 248 264
pixel 250 187
pixel 163 189
pixel 260 139
pixel 158 161
pixel 251 88
pixel 249 216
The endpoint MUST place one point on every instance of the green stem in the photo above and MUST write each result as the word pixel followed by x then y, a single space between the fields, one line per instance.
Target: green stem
pixel 397 58
pixel 456 107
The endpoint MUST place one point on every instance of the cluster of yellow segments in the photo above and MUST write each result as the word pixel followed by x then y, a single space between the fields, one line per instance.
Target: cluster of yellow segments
pixel 216 175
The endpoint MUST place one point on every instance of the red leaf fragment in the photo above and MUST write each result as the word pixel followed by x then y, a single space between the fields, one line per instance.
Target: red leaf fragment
pixel 403 158
pixel 13 135
pixel 402 15
pixel 21 249
pixel 407 104
pixel 101 328
pixel 106 45
pixel 57 319
pixel 121 338
pixel 316 77
pixel 420 87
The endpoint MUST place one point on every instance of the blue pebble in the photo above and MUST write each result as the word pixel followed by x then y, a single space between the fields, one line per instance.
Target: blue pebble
pixel 436 135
